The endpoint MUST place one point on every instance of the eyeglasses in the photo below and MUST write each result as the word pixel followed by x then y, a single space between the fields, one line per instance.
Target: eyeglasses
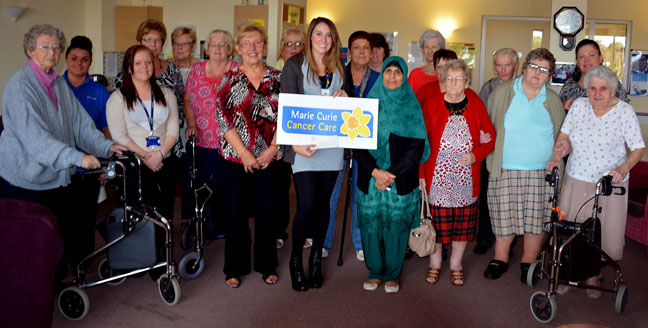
pixel 218 44
pixel 152 40
pixel 46 48
pixel 543 70
pixel 458 79
pixel 182 44
pixel 255 44
pixel 296 44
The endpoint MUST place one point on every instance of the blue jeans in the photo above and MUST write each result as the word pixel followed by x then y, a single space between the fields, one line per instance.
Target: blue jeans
pixel 335 197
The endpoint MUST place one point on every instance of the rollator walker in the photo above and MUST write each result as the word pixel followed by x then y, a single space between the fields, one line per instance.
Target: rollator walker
pixel 572 253
pixel 130 246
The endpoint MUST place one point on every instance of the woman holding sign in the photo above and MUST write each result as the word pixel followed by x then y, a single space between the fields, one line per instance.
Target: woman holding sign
pixel 388 177
pixel 316 72
pixel 247 116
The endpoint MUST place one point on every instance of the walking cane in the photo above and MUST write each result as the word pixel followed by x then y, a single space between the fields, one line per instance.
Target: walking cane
pixel 347 200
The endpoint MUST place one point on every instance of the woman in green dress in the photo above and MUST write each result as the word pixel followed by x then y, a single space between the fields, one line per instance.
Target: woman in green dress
pixel 388 177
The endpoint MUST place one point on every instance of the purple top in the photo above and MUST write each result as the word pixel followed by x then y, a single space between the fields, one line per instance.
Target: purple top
pixel 46 81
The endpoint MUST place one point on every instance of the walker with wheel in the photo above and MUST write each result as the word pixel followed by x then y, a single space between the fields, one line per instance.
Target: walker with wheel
pixel 73 301
pixel 568 243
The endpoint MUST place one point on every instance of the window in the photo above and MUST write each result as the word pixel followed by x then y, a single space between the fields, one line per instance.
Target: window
pixel 613 39
pixel 536 39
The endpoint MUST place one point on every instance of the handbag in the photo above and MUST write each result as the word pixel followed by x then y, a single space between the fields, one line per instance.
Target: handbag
pixel 422 240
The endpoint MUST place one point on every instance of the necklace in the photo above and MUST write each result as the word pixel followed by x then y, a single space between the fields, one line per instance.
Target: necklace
pixel 457 108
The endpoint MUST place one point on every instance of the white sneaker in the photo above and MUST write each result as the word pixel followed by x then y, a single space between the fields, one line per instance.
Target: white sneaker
pixel 308 243
pixel 360 255
pixel 325 253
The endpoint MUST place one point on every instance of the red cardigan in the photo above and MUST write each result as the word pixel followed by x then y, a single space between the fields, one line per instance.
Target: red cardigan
pixel 436 118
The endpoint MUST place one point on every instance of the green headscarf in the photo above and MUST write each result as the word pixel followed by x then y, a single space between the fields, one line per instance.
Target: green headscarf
pixel 399 113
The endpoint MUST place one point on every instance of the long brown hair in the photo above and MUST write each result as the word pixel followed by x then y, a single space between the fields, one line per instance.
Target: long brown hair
pixel 128 89
pixel 331 58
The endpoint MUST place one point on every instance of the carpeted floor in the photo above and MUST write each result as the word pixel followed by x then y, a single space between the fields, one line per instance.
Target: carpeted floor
pixel 207 302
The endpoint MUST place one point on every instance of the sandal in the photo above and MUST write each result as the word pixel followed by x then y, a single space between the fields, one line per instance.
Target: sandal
pixel 270 279
pixel 457 277
pixel 432 275
pixel 232 282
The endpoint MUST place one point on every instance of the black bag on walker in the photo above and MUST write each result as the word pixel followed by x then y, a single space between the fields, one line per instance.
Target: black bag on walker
pixel 580 260
pixel 137 250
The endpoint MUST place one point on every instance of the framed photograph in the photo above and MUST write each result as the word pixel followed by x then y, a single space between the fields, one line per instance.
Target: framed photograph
pixel 563 72
pixel 639 73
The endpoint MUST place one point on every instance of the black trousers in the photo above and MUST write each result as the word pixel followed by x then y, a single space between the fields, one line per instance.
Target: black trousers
pixel 158 188
pixel 485 236
pixel 313 190
pixel 284 177
pixel 243 192
pixel 56 200
pixel 84 191
pixel 209 170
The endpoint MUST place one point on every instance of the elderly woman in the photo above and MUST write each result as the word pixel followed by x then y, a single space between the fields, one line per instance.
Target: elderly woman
pixel 359 79
pixel 588 56
pixel 596 131
pixel 143 117
pixel 183 41
pixel 43 122
pixel 316 72
pixel 200 109
pixel 247 104
pixel 451 175
pixel 430 42
pixel 379 51
pixel 292 43
pixel 388 199
pixel 439 59
pixel 527 117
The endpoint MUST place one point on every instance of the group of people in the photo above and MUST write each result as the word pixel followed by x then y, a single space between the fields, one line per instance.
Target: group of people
pixel 477 157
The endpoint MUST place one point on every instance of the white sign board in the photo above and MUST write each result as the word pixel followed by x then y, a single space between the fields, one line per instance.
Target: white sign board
pixel 327 122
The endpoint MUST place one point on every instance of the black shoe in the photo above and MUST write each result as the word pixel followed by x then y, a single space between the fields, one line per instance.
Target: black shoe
pixel 315 269
pixel 495 269
pixel 524 271
pixel 297 275
pixel 481 249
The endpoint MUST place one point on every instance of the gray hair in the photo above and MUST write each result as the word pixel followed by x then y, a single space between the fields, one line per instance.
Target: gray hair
pixel 602 73
pixel 432 34
pixel 29 41
pixel 540 53
pixel 457 64
pixel 506 51
pixel 228 38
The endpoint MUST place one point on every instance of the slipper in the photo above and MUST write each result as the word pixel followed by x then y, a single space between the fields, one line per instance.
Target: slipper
pixel 371 284
pixel 270 279
pixel 457 277
pixel 232 282
pixel 432 275
pixel 280 243
pixel 495 269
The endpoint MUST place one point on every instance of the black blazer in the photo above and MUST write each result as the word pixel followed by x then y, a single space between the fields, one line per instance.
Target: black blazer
pixel 405 154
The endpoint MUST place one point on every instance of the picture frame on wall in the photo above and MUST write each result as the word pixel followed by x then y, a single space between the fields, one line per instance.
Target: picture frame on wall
pixel 562 73
pixel 639 73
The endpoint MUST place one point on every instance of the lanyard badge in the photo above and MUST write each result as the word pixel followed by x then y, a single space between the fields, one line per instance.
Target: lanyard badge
pixel 151 140
pixel 325 86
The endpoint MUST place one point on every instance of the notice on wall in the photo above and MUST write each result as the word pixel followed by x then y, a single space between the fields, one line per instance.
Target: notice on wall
pixel 327 122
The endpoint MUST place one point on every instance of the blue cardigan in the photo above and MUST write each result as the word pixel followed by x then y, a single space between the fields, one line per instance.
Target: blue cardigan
pixel 37 146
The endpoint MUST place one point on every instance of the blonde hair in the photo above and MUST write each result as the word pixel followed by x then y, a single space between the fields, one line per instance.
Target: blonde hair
pixel 331 58
pixel 289 29
pixel 228 39
pixel 183 30
pixel 251 28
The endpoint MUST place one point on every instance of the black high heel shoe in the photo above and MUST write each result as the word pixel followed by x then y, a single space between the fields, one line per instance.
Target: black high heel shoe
pixel 297 275
pixel 315 269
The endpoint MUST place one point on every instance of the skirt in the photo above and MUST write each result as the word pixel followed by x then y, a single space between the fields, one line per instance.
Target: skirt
pixel 613 216
pixel 518 202
pixel 455 223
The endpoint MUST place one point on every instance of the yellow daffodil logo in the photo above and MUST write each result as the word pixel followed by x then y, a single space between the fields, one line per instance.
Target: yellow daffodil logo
pixel 355 123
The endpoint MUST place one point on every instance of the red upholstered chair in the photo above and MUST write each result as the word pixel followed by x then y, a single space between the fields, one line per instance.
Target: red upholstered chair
pixel 637 224
pixel 30 248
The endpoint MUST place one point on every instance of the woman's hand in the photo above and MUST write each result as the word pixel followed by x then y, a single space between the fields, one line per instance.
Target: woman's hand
pixel 250 162
pixel 383 178
pixel 267 156
pixel 568 103
pixel 306 151
pixel 153 160
pixel 90 162
pixel 467 159
pixel 619 173
pixel 552 163
pixel 191 131
pixel 422 185
pixel 562 147
pixel 484 137
pixel 118 149
pixel 340 93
